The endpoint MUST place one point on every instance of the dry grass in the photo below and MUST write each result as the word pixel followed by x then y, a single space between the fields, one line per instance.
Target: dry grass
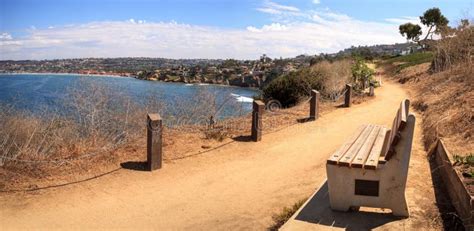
pixel 444 90
pixel 334 76
pixel 455 49
pixel 101 129
pixel 446 101
pixel 283 216
pixel 108 129
pixel 444 95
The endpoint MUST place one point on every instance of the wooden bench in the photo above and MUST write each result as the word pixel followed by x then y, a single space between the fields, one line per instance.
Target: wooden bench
pixel 371 168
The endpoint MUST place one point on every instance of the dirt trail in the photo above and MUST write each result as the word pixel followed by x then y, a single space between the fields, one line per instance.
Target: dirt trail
pixel 238 186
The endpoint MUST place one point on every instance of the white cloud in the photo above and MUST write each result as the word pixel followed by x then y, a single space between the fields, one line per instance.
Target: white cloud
pixel 175 40
pixel 253 29
pixel 292 32
pixel 337 17
pixel 316 1
pixel 6 40
pixel 5 36
pixel 402 20
pixel 281 7
pixel 267 28
pixel 270 7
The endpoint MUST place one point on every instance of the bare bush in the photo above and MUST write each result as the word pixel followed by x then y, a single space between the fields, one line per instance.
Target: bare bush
pixel 195 112
pixel 336 76
pixel 95 119
pixel 455 48
pixel 102 115
pixel 216 133
pixel 291 88
pixel 30 137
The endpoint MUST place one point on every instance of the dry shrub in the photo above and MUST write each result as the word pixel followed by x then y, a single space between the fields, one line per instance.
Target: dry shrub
pixel 419 105
pixel 286 213
pixel 335 76
pixel 102 115
pixel 448 95
pixel 198 108
pixel 93 122
pixel 216 133
pixel 100 119
pixel 96 128
pixel 450 110
pixel 29 137
pixel 454 49
pixel 107 129
pixel 328 78
pixel 445 91
pixel 446 100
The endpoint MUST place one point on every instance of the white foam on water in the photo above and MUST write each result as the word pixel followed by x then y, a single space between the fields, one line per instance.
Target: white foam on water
pixel 188 84
pixel 203 84
pixel 242 99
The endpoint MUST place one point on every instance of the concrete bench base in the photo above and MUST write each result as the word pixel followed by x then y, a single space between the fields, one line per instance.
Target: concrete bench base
pixel 353 185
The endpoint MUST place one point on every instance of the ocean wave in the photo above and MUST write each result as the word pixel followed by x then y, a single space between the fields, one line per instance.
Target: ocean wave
pixel 242 99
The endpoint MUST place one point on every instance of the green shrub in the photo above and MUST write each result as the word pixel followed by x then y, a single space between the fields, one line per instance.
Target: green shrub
pixel 289 89
pixel 458 159
pixel 470 159
pixel 464 159
pixel 419 57
pixel 362 75
pixel 411 59
pixel 328 78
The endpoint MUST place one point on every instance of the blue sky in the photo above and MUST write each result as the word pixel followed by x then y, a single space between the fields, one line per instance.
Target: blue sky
pixel 45 29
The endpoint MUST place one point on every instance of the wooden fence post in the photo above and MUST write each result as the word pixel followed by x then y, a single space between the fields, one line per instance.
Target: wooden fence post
pixel 348 96
pixel 154 141
pixel 314 105
pixel 371 91
pixel 258 108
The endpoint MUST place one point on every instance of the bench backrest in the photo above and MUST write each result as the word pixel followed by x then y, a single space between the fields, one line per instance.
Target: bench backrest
pixel 393 135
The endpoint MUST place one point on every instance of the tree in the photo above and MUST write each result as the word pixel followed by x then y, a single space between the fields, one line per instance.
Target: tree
pixel 410 31
pixel 433 19
pixel 362 74
pixel 464 24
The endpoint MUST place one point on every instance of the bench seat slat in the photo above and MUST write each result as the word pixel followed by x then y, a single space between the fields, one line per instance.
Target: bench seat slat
pixel 347 158
pixel 395 124
pixel 336 156
pixel 364 151
pixel 398 124
pixel 373 158
pixel 386 143
pixel 403 115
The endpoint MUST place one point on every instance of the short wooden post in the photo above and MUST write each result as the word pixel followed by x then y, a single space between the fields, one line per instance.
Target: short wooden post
pixel 371 91
pixel 258 108
pixel 154 141
pixel 314 105
pixel 348 96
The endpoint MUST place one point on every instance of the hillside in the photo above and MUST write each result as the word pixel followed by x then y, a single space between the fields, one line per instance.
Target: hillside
pixel 445 100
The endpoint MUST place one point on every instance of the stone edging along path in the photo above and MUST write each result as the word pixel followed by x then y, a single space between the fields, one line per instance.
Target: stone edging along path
pixel 458 193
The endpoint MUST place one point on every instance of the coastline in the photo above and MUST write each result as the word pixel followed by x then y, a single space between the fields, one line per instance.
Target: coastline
pixel 57 73
pixel 121 76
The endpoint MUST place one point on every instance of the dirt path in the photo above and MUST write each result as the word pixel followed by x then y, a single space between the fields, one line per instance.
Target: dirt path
pixel 238 186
